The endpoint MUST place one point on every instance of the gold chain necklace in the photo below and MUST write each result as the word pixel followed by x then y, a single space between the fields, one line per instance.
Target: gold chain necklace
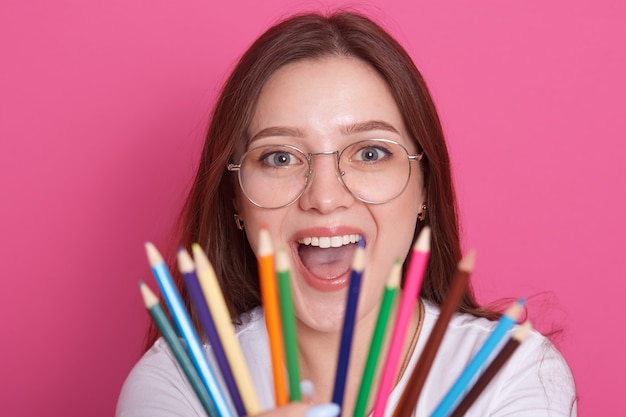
pixel 416 333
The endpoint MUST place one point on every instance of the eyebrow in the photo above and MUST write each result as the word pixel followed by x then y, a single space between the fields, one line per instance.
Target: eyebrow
pixel 367 126
pixel 345 130
pixel 278 131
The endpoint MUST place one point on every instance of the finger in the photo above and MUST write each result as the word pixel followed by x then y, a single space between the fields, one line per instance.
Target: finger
pixel 324 410
pixel 308 390
pixel 289 410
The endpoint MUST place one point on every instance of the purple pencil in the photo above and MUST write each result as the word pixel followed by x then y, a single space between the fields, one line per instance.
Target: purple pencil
pixel 187 268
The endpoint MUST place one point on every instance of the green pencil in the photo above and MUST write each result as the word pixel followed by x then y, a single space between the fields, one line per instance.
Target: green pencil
pixel 169 334
pixel 287 314
pixel 389 296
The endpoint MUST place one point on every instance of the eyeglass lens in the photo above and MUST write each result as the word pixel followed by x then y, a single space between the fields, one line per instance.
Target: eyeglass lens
pixel 374 171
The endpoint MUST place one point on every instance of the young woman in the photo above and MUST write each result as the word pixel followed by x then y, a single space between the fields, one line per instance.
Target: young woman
pixel 325 98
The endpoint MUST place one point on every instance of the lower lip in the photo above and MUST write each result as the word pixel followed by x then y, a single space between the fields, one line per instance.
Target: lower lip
pixel 322 284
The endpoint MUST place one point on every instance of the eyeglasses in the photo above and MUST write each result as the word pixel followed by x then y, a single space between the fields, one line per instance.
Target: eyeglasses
pixel 374 171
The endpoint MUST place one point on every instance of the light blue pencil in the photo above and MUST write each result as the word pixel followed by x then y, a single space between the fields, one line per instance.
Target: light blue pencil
pixel 508 319
pixel 186 330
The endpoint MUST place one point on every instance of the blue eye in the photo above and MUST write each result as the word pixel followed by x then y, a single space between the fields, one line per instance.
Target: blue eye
pixel 279 158
pixel 371 154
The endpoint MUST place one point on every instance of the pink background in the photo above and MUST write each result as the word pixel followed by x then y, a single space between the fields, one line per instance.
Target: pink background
pixel 102 108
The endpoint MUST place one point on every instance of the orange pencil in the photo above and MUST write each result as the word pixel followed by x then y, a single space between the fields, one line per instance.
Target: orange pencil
pixel 271 308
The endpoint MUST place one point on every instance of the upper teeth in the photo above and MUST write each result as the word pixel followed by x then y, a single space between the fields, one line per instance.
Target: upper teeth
pixel 330 241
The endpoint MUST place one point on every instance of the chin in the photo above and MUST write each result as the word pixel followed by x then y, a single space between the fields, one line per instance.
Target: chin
pixel 322 318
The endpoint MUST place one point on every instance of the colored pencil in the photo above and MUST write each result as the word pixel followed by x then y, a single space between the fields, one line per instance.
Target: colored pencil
pixel 389 296
pixel 505 323
pixel 186 330
pixel 288 317
pixel 410 396
pixel 188 270
pixel 271 308
pixel 410 292
pixel 358 264
pixel 217 305
pixel 169 334
pixel 494 367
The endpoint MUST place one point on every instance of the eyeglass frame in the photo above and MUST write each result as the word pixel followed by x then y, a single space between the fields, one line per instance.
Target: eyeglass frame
pixel 231 167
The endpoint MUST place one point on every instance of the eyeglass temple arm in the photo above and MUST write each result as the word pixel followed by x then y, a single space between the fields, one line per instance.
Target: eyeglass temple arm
pixel 417 157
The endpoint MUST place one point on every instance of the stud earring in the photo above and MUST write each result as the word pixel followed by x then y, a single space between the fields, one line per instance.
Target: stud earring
pixel 239 222
pixel 421 215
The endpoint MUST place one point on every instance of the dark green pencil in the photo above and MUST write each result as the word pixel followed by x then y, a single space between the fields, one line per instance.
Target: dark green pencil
pixel 169 334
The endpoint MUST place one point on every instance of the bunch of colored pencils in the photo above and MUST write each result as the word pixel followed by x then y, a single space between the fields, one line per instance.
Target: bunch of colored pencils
pixel 275 284
pixel 210 307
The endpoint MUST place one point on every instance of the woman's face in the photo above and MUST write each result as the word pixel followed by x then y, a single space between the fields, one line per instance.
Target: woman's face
pixel 319 106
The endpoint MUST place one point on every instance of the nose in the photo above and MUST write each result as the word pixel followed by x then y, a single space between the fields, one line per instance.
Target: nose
pixel 325 190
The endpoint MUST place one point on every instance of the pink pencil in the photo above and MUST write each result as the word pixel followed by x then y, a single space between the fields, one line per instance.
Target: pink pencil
pixel 410 292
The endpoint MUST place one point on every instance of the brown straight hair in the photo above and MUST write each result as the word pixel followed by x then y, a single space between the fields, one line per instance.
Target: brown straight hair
pixel 207 216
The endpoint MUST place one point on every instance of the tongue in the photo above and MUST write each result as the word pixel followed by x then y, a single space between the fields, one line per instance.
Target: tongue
pixel 327 263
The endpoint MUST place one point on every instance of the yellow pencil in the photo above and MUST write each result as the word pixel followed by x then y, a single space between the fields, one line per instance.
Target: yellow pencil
pixel 217 305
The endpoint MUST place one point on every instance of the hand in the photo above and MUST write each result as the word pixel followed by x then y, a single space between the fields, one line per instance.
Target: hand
pixel 303 410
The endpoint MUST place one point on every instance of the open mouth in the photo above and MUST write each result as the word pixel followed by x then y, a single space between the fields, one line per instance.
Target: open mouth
pixel 328 257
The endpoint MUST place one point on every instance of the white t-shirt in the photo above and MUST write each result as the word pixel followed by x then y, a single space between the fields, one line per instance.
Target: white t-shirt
pixel 535 382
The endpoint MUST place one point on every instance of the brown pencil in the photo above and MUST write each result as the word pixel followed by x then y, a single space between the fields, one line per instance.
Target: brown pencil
pixel 498 362
pixel 410 396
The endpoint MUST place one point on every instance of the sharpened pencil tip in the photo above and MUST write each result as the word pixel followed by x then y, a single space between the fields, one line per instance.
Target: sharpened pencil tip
pixel 522 332
pixel 154 257
pixel 265 242
pixel 422 243
pixel 149 298
pixel 202 264
pixel 185 263
pixel 515 311
pixel 395 276
pixel 468 261
pixel 358 262
pixel 282 260
pixel 197 252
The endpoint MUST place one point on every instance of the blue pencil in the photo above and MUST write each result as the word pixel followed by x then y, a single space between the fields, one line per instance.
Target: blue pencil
pixel 187 268
pixel 508 319
pixel 358 264
pixel 186 330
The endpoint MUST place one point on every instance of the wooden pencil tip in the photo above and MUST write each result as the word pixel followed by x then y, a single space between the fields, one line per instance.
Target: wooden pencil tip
pixel 422 243
pixel 522 332
pixel 197 252
pixel 265 242
pixel 185 263
pixel 282 260
pixel 515 311
pixel 358 261
pixel 149 298
pixel 203 266
pixel 154 257
pixel 395 276
pixel 468 261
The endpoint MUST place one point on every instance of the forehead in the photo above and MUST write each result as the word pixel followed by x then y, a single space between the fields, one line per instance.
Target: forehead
pixel 325 96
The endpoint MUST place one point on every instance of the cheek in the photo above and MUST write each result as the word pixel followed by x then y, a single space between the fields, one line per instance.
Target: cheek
pixel 402 217
pixel 413 196
pixel 255 218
